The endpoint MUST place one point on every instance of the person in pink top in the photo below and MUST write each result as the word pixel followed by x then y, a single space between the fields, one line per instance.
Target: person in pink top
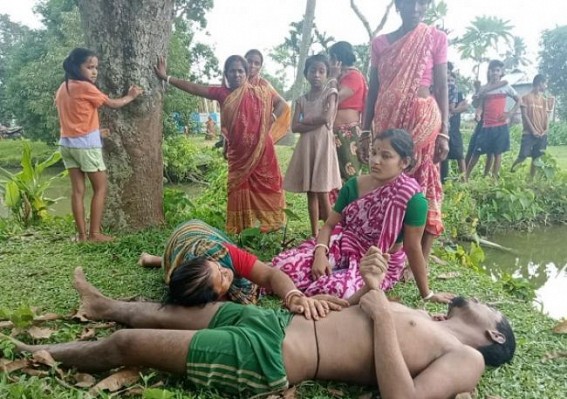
pixel 78 101
pixel 408 90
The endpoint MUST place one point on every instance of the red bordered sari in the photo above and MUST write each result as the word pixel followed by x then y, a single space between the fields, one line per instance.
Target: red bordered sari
pixel 255 194
pixel 400 70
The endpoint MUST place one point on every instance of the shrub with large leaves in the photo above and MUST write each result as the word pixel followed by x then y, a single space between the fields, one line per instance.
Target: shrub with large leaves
pixel 24 192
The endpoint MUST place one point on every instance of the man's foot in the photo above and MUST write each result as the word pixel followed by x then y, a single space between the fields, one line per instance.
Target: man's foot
pixel 99 237
pixel 93 303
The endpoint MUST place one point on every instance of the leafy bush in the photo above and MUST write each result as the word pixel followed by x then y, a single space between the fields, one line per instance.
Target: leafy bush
pixel 185 161
pixel 557 134
pixel 24 191
pixel 510 202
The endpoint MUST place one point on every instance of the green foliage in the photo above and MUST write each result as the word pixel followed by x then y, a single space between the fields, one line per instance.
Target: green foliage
pixel 557 134
pixel 24 191
pixel 553 58
pixel 472 258
pixel 185 161
pixel 483 33
pixel 35 70
pixel 11 152
pixel 22 317
pixel 519 287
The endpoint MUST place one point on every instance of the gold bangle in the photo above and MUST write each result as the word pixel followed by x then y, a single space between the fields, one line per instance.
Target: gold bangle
pixel 445 136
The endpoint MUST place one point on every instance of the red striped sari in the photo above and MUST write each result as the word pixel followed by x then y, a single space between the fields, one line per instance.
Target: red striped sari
pixel 373 219
pixel 255 194
pixel 400 69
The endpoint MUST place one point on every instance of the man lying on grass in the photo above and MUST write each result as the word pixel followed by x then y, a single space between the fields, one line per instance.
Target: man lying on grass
pixel 244 349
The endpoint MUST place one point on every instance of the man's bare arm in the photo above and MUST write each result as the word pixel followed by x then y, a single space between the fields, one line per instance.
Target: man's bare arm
pixel 454 372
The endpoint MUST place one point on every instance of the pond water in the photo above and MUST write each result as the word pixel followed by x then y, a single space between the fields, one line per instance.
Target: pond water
pixel 541 258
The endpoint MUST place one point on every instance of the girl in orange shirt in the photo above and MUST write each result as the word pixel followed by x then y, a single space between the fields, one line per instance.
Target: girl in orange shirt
pixel 77 101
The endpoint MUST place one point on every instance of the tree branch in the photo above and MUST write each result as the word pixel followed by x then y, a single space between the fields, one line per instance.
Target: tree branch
pixel 362 18
pixel 384 19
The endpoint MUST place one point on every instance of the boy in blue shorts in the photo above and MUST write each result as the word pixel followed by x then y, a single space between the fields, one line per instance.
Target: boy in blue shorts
pixel 493 136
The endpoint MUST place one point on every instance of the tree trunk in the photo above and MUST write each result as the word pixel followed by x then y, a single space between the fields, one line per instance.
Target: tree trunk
pixel 128 36
pixel 308 20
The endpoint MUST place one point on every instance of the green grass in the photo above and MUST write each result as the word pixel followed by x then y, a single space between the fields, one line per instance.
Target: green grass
pixel 36 268
pixel 560 154
pixel 11 152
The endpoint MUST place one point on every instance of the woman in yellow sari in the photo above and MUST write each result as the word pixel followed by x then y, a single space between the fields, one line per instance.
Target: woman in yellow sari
pixel 408 90
pixel 255 194
pixel 282 115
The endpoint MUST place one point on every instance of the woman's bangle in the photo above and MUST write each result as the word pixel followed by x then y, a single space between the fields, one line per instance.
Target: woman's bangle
pixel 429 296
pixel 445 136
pixel 319 245
pixel 167 80
pixel 274 116
pixel 290 294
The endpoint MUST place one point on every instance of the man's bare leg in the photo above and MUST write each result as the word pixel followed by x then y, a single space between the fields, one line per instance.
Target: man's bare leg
pixel 149 260
pixel 96 306
pixel 159 349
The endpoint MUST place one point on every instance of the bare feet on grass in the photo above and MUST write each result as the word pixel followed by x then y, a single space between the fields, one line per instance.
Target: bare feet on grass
pixel 93 303
pixel 99 237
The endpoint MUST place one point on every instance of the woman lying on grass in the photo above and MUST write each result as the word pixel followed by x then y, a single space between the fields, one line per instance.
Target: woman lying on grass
pixel 201 265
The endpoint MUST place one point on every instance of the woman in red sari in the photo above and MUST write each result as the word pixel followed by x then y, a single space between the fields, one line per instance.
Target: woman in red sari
pixel 255 194
pixel 408 90
pixel 282 120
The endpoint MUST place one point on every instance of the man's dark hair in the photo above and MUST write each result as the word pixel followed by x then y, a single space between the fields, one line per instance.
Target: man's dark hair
pixel 190 284
pixel 539 79
pixel 496 354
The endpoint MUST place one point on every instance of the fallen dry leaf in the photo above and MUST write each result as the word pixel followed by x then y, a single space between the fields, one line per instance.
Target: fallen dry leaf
pixel 87 334
pixel 6 324
pixel 133 391
pixel 117 380
pixel 448 275
pixel 437 260
pixel 553 356
pixel 289 393
pixel 8 367
pixel 35 372
pixel 561 328
pixel 336 392
pixel 43 357
pixel 80 316
pixel 40 333
pixel 48 317
pixel 84 380
pixel 367 395
pixel 493 397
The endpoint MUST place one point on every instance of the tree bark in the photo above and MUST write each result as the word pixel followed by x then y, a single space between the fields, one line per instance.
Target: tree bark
pixel 308 20
pixel 128 36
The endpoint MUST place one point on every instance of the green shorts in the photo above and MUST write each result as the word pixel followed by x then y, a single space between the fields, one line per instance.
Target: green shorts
pixel 241 351
pixel 88 160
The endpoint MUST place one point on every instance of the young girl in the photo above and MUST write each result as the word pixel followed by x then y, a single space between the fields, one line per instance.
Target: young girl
pixel 77 101
pixel 314 167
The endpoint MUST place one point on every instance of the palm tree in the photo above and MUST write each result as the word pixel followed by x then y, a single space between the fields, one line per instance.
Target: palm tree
pixel 483 33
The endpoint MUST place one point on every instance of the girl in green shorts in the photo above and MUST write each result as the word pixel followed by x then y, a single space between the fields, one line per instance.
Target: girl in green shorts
pixel 77 101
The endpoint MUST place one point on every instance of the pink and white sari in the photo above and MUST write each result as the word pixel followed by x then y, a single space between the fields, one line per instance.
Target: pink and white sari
pixel 373 219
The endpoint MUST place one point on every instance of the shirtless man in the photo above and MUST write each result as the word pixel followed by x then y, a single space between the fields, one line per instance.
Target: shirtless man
pixel 402 350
